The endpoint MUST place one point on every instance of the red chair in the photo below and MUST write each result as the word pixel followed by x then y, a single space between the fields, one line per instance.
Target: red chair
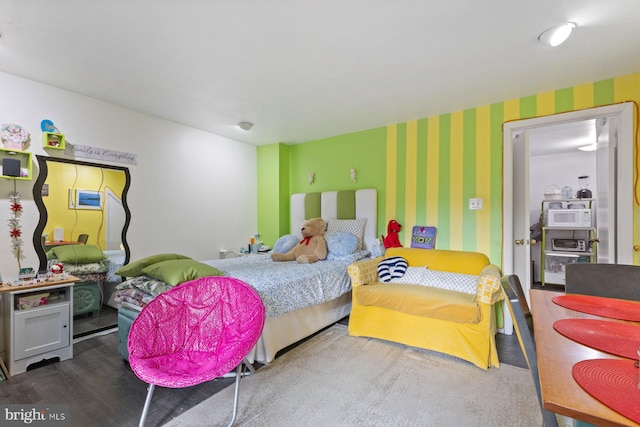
pixel 195 332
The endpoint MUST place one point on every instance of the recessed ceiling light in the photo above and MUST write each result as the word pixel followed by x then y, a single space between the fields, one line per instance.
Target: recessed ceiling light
pixel 246 126
pixel 557 35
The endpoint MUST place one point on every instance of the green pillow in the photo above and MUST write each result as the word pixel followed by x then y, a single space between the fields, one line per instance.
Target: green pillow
pixel 77 254
pixel 176 271
pixel 134 269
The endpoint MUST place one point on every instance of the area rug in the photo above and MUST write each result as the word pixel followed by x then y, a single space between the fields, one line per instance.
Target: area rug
pixel 334 379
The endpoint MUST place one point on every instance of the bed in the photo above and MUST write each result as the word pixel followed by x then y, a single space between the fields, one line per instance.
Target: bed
pixel 294 310
pixel 95 269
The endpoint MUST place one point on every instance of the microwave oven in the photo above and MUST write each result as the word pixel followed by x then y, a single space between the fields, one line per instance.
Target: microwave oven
pixel 569 245
pixel 569 218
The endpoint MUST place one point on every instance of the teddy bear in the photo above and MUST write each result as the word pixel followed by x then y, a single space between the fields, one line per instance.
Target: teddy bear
pixel 312 247
pixel 392 240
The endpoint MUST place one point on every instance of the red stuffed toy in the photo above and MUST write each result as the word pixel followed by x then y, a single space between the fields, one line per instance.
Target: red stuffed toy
pixel 392 240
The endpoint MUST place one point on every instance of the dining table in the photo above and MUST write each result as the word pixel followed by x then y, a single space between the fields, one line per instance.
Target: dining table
pixel 557 356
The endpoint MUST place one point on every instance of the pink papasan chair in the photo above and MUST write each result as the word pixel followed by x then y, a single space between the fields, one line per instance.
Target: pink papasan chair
pixel 195 332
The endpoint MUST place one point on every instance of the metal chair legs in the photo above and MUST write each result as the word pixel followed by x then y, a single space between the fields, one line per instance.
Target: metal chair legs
pixel 147 402
pixel 235 395
pixel 238 374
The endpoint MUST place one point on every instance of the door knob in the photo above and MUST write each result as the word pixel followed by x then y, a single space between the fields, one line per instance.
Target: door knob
pixel 519 242
pixel 533 241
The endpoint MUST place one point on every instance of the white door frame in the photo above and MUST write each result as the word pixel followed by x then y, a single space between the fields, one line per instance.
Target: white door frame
pixel 625 237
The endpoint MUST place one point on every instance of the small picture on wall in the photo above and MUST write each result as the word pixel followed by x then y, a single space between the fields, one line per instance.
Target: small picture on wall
pixel 85 199
pixel 45 190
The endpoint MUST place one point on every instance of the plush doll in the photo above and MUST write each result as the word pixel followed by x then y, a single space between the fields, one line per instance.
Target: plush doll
pixel 312 247
pixel 392 240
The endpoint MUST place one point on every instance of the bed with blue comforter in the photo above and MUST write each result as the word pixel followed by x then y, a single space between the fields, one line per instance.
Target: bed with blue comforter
pixel 300 299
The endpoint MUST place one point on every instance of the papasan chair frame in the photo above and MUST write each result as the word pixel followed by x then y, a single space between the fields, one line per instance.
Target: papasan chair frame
pixel 195 332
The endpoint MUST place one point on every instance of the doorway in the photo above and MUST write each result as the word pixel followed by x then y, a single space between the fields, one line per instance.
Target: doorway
pixel 517 242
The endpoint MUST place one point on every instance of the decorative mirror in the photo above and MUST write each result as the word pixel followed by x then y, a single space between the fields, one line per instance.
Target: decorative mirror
pixel 81 202
pixel 84 203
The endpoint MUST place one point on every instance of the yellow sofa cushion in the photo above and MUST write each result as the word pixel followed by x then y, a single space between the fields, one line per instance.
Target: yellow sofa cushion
pixel 442 259
pixel 420 300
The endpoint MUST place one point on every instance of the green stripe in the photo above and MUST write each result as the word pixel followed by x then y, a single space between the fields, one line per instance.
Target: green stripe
pixel 444 190
pixel 495 169
pixel 346 201
pixel 528 107
pixel 564 100
pixel 312 206
pixel 468 178
pixel 421 173
pixel 603 92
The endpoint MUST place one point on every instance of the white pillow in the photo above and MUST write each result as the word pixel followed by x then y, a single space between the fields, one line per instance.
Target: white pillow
pixel 353 226
pixel 467 283
pixel 413 276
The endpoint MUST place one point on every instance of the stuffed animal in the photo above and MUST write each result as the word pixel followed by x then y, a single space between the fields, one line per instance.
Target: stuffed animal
pixel 313 246
pixel 392 240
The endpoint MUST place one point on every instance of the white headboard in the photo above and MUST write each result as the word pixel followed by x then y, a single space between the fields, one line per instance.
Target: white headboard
pixel 366 206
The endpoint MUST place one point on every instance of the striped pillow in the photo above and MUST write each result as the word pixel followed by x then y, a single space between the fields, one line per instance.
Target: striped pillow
pixel 392 268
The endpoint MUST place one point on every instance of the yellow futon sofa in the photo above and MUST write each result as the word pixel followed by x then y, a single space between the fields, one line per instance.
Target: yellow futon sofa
pixel 434 318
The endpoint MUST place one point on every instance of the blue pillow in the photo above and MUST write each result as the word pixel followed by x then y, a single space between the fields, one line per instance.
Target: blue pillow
pixel 285 244
pixel 342 243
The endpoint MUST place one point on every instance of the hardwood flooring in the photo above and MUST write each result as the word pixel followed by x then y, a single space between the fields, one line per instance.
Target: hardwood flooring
pixel 101 389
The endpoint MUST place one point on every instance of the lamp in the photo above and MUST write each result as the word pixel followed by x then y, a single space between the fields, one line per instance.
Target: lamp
pixel 246 126
pixel 557 35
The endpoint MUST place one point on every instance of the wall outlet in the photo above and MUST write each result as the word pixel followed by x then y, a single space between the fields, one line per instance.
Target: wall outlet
pixel 475 204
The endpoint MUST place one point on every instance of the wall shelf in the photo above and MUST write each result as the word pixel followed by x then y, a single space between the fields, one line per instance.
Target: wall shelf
pixel 26 163
pixel 53 140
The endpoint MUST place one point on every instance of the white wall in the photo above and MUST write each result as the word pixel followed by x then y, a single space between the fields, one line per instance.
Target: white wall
pixel 191 192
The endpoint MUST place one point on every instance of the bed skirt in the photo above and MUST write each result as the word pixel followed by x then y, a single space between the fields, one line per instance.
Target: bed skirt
pixel 279 332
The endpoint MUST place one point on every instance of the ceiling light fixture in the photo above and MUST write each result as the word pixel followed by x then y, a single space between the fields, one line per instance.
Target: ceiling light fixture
pixel 557 35
pixel 246 126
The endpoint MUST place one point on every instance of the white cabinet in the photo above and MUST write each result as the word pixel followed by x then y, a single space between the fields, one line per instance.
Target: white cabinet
pixel 569 235
pixel 38 323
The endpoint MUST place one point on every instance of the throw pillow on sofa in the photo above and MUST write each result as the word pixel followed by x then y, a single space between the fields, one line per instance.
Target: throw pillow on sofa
pixel 392 268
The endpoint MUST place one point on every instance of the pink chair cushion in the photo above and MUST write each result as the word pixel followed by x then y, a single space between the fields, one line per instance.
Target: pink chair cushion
pixel 195 332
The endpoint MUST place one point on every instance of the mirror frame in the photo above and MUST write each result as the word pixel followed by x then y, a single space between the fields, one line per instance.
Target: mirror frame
pixel 44 216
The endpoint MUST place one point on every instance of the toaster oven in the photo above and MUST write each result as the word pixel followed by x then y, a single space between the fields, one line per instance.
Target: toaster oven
pixel 569 245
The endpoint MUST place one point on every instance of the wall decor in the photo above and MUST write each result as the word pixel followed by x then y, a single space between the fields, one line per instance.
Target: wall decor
pixel 14 136
pixel 14 226
pixel 100 153
pixel 85 199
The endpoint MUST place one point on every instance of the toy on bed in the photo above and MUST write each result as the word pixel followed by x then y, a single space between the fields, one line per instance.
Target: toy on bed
pixel 89 264
pixel 312 247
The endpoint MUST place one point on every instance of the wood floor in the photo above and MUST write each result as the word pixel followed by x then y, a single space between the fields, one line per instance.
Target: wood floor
pixel 101 389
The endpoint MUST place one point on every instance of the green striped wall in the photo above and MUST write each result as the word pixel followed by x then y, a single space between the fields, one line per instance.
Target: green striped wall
pixel 426 170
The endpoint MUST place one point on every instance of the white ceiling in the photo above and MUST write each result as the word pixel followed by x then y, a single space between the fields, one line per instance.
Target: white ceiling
pixel 303 70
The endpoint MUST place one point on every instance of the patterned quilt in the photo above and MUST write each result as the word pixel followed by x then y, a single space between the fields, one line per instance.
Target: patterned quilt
pixel 288 286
